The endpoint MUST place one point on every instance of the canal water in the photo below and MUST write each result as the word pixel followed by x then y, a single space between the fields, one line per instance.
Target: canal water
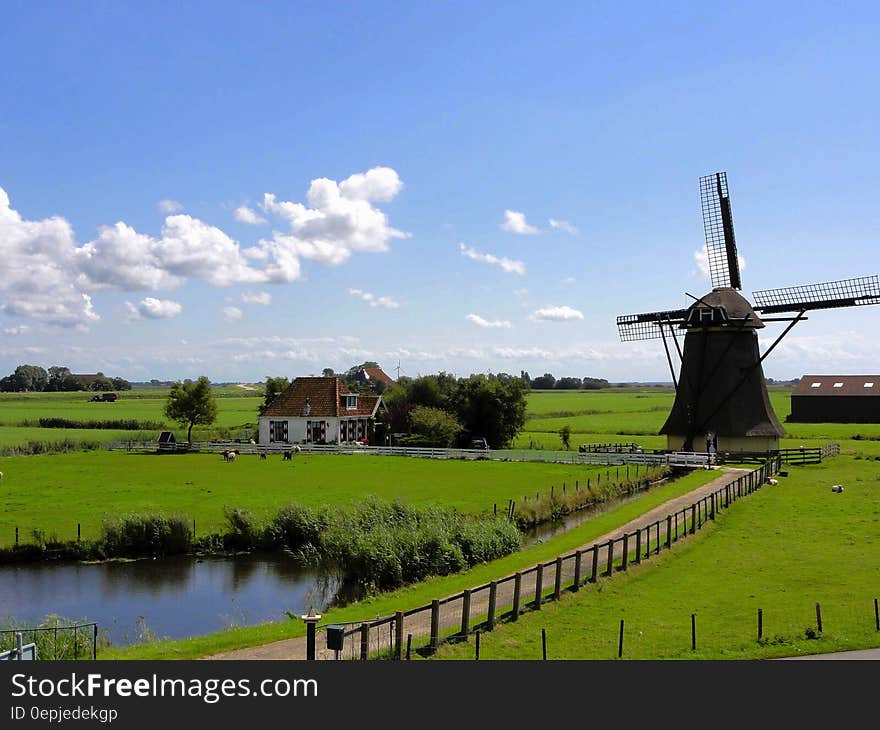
pixel 171 597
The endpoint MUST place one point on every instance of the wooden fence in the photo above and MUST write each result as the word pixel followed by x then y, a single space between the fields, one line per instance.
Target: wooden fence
pixel 454 617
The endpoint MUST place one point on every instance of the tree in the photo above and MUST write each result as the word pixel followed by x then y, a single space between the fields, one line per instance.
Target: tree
pixel 101 382
pixel 30 378
pixel 328 373
pixel 57 375
pixel 490 408
pixel 594 383
pixel 545 382
pixel 568 384
pixel 274 387
pixel 438 427
pixel 121 384
pixel 191 404
pixel 565 435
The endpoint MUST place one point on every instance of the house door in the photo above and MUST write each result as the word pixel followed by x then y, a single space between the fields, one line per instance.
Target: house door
pixel 317 433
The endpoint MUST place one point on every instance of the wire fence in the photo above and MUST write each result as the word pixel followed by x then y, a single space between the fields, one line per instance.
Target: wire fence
pixel 423 629
pixel 75 641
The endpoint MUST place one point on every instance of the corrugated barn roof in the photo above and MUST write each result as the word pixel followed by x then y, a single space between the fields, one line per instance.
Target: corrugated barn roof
pixel 821 385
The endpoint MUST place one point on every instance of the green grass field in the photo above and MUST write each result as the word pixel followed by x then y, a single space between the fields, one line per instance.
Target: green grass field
pixel 782 550
pixel 54 492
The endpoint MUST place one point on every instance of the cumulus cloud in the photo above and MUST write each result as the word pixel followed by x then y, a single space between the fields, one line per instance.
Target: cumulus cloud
pixel 480 322
pixel 261 297
pixel 519 353
pixel 152 308
pixel 243 214
pixel 339 218
pixel 232 314
pixel 38 263
pixel 510 265
pixel 169 206
pixel 373 300
pixel 14 331
pixel 557 314
pixel 515 222
pixel 563 226
pixel 701 258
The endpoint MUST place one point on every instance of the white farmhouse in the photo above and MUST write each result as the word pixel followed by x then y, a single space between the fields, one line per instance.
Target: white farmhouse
pixel 319 411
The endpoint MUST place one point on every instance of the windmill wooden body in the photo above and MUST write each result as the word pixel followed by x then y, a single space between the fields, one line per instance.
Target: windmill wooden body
pixel 721 400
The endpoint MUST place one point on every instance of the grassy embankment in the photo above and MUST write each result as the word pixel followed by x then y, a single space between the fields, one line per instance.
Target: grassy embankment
pixel 782 551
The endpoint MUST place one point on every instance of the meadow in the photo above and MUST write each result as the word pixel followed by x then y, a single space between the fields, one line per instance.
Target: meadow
pixel 54 492
pixel 782 551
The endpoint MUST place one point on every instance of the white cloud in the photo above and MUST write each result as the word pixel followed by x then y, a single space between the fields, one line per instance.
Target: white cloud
pixel 701 258
pixel 564 226
pixel 339 219
pixel 169 206
pixel 232 314
pixel 557 314
pixel 515 222
pixel 509 265
pixel 261 297
pixel 243 214
pixel 480 322
pixel 14 331
pixel 151 308
pixel 521 293
pixel 38 280
pixel 517 353
pixel 373 300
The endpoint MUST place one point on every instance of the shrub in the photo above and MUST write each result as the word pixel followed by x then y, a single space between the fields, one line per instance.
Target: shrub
pixel 139 535
pixel 246 532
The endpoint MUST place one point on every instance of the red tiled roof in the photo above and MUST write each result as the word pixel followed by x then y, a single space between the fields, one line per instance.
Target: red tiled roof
pixel 864 385
pixel 378 374
pixel 323 398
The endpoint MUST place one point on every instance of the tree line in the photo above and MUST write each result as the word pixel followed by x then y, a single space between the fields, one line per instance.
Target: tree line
pixel 35 379
pixel 548 382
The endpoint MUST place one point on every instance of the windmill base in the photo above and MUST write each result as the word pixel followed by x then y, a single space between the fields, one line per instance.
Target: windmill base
pixel 730 444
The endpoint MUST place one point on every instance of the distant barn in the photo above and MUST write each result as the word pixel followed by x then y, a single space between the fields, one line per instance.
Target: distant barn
pixel 836 399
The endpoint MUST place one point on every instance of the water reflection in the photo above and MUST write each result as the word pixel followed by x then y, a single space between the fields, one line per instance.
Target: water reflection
pixel 173 597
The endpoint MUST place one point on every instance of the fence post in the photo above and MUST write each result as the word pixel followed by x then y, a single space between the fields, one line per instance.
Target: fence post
pixel 78 531
pixel 610 566
pixel 818 617
pixel 625 559
pixel 465 612
pixel 726 496
pixel 398 635
pixel 539 584
pixel 620 641
pixel 365 641
pixel 760 623
pixel 693 518
pixel 577 571
pixel 668 531
pixel 435 624
pixel 638 547
pixel 557 588
pixel 877 614
pixel 408 646
pixel 477 646
pixel 490 619
pixel 712 513
pixel 517 585
pixel 16 536
pixel 693 632
pixel 595 572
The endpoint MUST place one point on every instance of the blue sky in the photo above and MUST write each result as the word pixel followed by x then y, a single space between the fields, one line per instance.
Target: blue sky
pixel 241 190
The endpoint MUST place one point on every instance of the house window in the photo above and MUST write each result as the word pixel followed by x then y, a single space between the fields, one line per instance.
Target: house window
pixel 838 385
pixel 815 385
pixel 277 432
pixel 350 401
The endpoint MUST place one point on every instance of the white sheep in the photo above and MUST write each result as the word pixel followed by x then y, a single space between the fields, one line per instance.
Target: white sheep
pixel 772 482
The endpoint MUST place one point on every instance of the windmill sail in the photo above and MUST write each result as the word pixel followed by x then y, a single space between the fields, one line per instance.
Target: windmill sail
pixel 718 227
pixel 647 326
pixel 827 295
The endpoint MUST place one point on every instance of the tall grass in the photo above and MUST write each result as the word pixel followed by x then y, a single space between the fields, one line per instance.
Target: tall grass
pixel 146 535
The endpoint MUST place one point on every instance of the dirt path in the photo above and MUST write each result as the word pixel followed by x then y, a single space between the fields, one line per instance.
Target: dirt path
pixel 419 624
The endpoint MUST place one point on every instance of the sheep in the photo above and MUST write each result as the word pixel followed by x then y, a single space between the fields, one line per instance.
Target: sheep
pixel 230 454
pixel 837 488
pixel 772 482
pixel 262 456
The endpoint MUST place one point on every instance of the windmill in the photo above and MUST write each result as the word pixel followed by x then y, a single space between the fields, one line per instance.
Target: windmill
pixel 720 392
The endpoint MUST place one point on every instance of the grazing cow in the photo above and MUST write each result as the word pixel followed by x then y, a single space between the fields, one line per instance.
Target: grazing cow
pixel 230 454
pixel 262 456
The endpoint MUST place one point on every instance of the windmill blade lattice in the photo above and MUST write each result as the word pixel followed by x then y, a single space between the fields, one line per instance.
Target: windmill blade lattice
pixel 718 227
pixel 647 326
pixel 855 292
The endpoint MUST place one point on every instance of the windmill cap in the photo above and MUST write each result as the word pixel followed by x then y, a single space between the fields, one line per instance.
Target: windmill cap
pixel 734 303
